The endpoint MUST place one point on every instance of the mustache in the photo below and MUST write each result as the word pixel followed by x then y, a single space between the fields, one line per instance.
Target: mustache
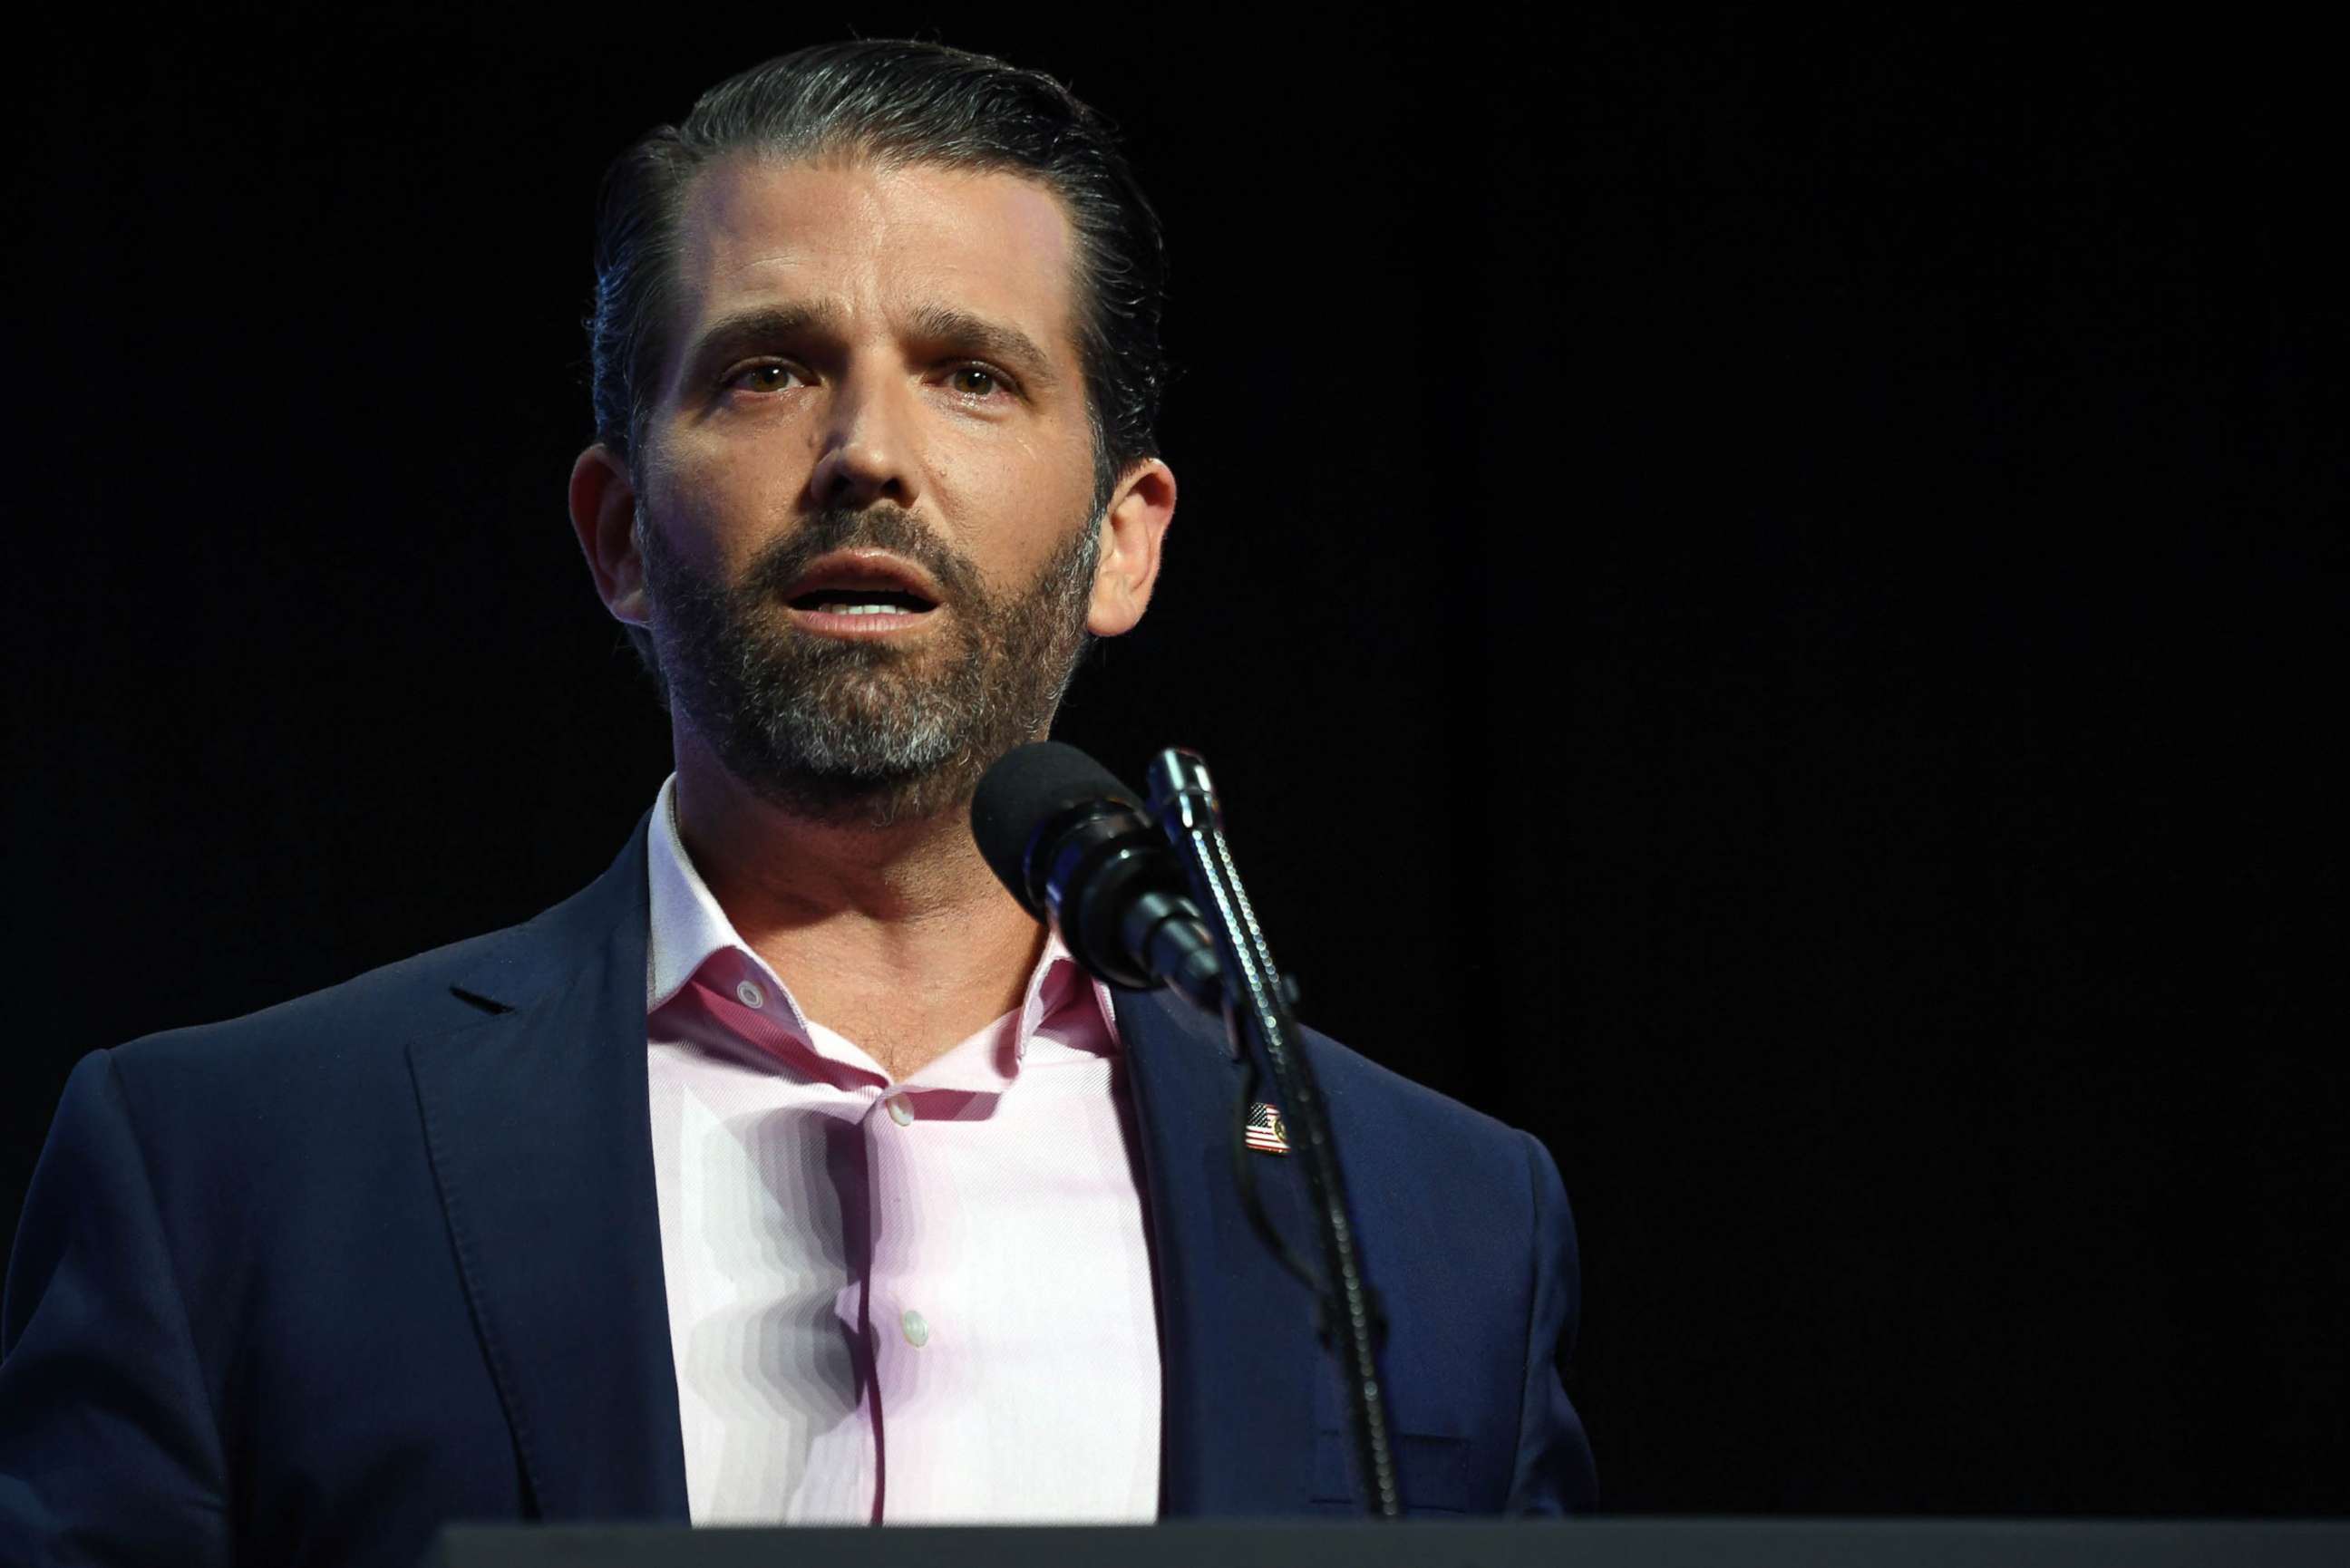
pixel 785 561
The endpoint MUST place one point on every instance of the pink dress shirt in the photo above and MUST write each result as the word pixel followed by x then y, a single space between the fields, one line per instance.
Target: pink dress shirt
pixel 925 1301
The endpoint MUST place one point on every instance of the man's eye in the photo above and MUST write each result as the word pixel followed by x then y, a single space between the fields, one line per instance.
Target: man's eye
pixel 975 380
pixel 770 376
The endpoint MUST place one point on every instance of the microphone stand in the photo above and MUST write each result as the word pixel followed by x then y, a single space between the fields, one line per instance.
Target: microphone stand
pixel 1256 1012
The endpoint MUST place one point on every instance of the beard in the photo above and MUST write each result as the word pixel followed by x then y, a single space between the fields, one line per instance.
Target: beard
pixel 842 730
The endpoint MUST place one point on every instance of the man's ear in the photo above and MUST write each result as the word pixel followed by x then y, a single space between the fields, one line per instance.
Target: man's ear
pixel 1139 510
pixel 604 515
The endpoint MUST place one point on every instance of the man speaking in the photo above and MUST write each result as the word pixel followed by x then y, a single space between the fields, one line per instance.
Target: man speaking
pixel 791 1172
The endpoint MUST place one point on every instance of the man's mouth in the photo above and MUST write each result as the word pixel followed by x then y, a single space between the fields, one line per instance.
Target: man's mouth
pixel 861 593
pixel 862 601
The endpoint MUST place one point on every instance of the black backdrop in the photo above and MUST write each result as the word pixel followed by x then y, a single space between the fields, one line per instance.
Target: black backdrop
pixel 1768 596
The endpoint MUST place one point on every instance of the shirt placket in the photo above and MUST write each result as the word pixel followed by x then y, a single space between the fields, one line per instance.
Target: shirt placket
pixel 920 1334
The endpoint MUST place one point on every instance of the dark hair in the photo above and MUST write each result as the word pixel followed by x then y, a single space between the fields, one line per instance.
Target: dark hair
pixel 896 102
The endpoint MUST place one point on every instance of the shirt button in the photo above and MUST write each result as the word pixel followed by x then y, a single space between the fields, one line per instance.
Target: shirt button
pixel 903 1115
pixel 750 995
pixel 918 1333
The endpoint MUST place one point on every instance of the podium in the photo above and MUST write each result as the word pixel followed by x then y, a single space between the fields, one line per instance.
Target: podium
pixel 1363 1543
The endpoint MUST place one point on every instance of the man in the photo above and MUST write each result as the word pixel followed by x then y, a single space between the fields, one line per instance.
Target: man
pixel 790 1171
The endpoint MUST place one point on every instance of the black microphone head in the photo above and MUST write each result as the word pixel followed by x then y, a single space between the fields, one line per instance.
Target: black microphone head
pixel 1029 786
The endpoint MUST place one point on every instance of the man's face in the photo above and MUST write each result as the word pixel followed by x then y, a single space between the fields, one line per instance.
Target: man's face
pixel 865 494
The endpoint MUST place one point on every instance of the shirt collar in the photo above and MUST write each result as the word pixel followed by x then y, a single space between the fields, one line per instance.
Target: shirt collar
pixel 688 925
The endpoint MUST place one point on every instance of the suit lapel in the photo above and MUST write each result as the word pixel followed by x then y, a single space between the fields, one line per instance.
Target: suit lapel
pixel 1237 1353
pixel 540 1138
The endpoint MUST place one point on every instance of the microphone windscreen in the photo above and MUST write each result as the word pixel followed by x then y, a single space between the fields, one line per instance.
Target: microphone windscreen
pixel 1027 787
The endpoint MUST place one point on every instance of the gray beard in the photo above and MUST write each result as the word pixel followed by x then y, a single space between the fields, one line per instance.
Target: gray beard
pixel 841 731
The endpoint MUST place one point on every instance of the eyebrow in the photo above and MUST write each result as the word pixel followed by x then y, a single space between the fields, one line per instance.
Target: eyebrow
pixel 732 335
pixel 988 339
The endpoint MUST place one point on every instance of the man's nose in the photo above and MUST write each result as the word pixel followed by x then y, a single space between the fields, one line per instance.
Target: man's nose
pixel 869 445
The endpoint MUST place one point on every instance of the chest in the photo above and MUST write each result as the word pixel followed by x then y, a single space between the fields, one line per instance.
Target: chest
pixel 909 1303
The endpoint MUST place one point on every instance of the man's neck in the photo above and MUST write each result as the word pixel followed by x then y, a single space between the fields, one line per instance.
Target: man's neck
pixel 897 937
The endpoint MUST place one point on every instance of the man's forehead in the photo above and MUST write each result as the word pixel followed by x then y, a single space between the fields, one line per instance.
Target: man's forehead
pixel 867 234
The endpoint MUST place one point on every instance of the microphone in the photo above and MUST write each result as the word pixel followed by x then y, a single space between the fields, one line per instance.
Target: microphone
pixel 1075 846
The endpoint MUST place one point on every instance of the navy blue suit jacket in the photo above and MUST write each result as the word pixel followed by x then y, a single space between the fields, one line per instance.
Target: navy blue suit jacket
pixel 300 1287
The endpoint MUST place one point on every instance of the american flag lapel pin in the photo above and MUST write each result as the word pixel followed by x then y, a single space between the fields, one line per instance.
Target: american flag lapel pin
pixel 1264 1129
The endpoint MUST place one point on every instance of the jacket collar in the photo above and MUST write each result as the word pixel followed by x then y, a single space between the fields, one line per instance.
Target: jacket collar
pixel 1237 1356
pixel 539 1127
pixel 538 1124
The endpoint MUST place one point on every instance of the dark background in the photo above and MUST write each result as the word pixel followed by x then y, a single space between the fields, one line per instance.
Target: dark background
pixel 1768 596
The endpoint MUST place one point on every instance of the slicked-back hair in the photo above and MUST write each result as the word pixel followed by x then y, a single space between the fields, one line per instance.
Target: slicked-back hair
pixel 893 103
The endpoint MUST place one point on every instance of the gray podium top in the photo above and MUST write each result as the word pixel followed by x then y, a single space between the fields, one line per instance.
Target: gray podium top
pixel 1291 1543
